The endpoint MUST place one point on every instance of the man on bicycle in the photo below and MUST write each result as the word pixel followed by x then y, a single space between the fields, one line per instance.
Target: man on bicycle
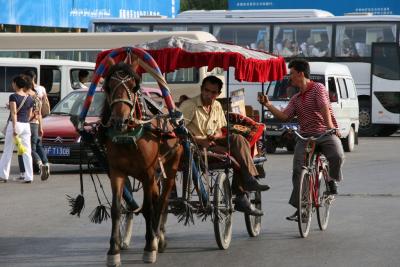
pixel 314 113
pixel 204 117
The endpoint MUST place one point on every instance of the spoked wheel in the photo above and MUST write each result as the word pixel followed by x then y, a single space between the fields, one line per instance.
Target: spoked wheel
pixel 222 211
pixel 324 200
pixel 253 223
pixel 304 211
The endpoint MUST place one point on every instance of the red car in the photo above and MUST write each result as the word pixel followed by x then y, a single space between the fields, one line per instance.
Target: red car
pixel 60 139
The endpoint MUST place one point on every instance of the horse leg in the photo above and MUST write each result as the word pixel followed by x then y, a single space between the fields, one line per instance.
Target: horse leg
pixel 150 192
pixel 162 242
pixel 113 254
pixel 167 188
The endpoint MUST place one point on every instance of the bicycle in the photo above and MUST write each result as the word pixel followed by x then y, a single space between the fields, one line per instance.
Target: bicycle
pixel 313 189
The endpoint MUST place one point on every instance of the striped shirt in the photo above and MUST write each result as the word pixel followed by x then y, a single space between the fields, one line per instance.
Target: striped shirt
pixel 307 107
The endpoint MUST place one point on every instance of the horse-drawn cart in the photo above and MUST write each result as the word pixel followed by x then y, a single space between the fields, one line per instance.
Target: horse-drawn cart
pixel 154 147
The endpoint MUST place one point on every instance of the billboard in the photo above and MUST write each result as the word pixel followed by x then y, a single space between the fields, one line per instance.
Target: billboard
pixel 78 13
pixel 336 7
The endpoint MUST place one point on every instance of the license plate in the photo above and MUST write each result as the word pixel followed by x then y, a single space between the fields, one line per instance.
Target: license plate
pixel 57 151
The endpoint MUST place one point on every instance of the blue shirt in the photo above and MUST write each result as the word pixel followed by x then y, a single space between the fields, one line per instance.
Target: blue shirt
pixel 23 113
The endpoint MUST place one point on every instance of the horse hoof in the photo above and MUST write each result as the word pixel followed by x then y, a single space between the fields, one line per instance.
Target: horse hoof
pixel 162 243
pixel 150 256
pixel 124 246
pixel 114 260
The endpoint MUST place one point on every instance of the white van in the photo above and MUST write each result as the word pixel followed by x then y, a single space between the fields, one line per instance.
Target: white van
pixel 343 96
pixel 59 77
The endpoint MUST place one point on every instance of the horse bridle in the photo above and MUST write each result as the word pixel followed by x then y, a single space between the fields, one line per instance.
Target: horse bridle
pixel 131 101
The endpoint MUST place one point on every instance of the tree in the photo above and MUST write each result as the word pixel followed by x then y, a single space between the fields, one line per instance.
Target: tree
pixel 201 4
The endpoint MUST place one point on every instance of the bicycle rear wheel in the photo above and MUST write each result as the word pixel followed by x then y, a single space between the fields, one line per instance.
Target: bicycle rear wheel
pixel 253 223
pixel 222 211
pixel 304 210
pixel 324 199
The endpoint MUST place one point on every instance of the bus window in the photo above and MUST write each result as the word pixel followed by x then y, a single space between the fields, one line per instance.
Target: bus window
pixel 386 63
pixel 354 40
pixel 20 54
pixel 186 75
pixel 2 79
pixel 170 28
pixel 77 55
pixel 302 40
pixel 120 28
pixel 243 35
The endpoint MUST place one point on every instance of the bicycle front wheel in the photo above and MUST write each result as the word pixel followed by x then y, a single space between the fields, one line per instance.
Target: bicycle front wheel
pixel 253 223
pixel 304 210
pixel 222 211
pixel 324 200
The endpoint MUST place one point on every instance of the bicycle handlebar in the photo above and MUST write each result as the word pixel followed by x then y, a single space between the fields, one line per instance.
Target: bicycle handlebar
pixel 327 132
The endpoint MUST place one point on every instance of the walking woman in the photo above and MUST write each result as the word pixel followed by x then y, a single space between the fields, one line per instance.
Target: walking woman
pixel 37 93
pixel 20 104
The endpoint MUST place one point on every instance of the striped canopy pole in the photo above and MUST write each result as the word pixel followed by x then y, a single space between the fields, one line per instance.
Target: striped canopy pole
pixel 145 60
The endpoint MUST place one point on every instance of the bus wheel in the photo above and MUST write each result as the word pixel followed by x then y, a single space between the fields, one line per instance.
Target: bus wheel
pixel 366 127
pixel 388 130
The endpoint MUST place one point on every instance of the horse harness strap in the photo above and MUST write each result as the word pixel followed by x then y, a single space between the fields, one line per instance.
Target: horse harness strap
pixel 164 157
pixel 129 137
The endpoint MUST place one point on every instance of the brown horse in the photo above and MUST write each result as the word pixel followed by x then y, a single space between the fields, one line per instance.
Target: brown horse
pixel 136 155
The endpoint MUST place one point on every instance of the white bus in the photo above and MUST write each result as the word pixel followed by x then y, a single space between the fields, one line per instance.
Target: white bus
pixel 368 45
pixel 59 77
pixel 85 46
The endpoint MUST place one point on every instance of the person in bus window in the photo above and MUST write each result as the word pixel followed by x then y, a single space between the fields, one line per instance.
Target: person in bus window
pixel 348 48
pixel 320 49
pixel 287 50
pixel 261 45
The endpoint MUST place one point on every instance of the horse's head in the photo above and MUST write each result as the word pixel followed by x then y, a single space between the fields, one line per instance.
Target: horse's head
pixel 121 86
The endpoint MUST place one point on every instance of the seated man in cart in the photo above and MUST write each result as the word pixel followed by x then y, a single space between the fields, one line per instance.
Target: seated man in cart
pixel 204 118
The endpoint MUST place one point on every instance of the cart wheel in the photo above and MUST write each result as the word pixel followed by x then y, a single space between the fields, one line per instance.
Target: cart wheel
pixel 222 211
pixel 253 223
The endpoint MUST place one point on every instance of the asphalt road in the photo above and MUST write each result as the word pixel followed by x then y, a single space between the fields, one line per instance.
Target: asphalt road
pixel 364 230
